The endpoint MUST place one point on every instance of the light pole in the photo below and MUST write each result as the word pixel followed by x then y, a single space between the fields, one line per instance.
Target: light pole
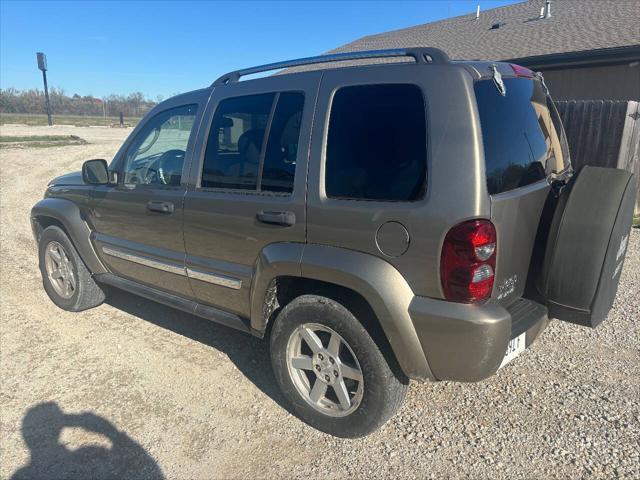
pixel 42 65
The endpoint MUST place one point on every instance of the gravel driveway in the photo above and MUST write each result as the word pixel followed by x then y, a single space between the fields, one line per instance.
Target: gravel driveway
pixel 137 388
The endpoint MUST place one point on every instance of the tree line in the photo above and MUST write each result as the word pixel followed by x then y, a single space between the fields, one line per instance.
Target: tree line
pixel 33 102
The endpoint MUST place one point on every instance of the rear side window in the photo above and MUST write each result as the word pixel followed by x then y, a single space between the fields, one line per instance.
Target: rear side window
pixel 282 148
pixel 235 141
pixel 377 143
pixel 523 142
pixel 236 156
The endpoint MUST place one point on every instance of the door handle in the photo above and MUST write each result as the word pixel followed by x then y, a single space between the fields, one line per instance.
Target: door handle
pixel 286 219
pixel 160 207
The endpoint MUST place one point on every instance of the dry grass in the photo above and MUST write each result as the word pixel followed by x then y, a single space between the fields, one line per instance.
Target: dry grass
pixel 40 141
pixel 75 120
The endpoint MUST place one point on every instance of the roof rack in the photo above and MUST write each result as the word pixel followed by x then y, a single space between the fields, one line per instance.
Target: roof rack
pixel 421 55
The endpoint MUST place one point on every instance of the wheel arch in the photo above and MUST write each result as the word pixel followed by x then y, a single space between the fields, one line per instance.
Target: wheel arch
pixel 66 215
pixel 367 284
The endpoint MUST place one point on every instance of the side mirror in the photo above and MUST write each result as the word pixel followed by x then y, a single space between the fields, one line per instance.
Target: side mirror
pixel 95 172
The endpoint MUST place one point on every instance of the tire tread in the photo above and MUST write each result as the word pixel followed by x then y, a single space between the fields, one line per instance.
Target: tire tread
pixel 380 402
pixel 89 293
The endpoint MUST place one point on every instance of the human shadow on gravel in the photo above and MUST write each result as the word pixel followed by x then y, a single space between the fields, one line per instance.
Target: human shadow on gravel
pixel 41 429
pixel 248 353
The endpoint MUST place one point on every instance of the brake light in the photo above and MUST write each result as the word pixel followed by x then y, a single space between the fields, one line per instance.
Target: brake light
pixel 521 71
pixel 467 266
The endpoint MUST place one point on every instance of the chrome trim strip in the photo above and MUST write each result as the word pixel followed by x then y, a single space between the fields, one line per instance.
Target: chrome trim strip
pixel 146 261
pixel 216 279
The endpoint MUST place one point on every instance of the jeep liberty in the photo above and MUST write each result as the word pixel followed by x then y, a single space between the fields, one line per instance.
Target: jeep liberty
pixel 375 221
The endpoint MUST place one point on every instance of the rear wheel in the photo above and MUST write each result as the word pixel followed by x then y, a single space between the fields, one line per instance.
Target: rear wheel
pixel 331 370
pixel 64 276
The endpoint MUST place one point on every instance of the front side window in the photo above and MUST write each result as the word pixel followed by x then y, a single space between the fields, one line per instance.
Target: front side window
pixel 377 143
pixel 522 136
pixel 236 156
pixel 156 155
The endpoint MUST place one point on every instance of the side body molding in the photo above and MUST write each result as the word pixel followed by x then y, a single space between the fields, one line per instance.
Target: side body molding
pixel 69 215
pixel 379 283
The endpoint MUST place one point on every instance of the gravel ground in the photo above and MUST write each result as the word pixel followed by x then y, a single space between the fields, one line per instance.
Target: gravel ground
pixel 137 388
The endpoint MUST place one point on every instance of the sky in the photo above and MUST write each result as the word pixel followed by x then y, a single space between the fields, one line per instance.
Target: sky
pixel 163 48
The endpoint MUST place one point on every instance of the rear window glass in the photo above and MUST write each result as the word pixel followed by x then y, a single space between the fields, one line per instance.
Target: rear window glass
pixel 377 143
pixel 521 143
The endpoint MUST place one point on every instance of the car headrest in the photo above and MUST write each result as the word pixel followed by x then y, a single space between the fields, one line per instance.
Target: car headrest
pixel 225 122
pixel 250 137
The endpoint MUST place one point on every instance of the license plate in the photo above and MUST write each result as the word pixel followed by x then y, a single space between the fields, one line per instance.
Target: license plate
pixel 515 347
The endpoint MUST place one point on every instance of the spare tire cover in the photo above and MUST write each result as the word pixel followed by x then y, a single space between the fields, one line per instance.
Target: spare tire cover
pixel 587 244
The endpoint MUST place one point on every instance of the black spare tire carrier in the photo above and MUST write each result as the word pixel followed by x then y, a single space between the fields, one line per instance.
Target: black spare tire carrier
pixel 587 244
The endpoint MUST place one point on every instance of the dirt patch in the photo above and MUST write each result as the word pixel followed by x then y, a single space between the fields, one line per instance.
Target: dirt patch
pixel 40 141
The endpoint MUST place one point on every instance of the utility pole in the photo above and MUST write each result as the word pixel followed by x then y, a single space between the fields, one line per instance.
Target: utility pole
pixel 42 65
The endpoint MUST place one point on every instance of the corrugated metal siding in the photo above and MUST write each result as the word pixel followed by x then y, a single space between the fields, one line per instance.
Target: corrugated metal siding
pixel 613 82
pixel 603 133
pixel 629 158
pixel 594 130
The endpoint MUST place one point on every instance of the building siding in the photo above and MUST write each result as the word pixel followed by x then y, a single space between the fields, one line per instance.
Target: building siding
pixel 613 82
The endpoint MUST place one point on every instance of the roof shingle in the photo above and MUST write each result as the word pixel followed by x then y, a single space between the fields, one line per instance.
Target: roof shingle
pixel 574 26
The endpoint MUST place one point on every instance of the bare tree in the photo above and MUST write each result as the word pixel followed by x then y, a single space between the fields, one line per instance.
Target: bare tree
pixel 32 102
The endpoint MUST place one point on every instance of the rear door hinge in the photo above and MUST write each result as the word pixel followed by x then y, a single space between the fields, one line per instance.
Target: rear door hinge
pixel 544 85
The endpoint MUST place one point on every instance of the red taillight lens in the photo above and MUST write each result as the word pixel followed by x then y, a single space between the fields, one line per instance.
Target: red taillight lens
pixel 521 71
pixel 467 266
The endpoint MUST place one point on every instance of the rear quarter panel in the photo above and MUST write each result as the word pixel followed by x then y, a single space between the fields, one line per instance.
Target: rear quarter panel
pixel 456 188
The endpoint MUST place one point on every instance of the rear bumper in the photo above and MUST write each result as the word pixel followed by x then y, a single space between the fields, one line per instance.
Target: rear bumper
pixel 467 343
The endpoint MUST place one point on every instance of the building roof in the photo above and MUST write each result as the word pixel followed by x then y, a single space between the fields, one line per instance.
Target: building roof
pixel 575 26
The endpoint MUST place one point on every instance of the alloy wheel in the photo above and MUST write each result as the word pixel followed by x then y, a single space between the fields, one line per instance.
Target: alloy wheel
pixel 324 370
pixel 60 270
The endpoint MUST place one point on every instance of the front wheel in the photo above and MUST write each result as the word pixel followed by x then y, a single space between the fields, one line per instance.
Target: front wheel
pixel 65 277
pixel 331 370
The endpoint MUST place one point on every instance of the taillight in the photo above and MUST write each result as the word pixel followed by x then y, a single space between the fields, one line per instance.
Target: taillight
pixel 467 266
pixel 521 71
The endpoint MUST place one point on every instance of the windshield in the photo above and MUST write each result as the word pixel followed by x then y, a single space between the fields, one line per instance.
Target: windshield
pixel 522 134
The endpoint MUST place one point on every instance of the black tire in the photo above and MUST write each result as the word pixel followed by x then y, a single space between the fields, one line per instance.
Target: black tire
pixel 87 293
pixel 383 389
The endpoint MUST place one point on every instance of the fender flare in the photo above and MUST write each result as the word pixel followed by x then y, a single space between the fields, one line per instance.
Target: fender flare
pixel 275 260
pixel 377 281
pixel 69 215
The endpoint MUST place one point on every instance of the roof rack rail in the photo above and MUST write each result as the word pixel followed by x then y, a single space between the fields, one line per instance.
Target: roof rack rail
pixel 421 55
